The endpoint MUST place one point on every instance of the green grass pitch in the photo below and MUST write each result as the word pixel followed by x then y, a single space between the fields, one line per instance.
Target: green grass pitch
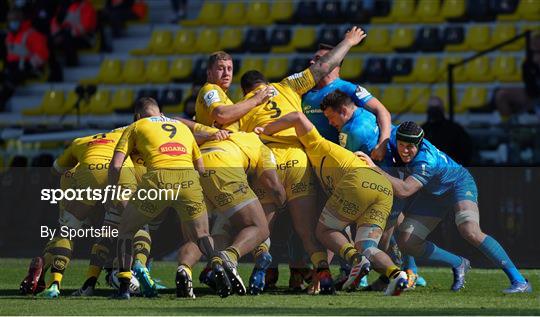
pixel 482 296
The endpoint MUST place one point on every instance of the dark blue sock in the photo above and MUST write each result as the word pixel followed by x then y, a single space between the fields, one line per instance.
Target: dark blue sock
pixel 495 252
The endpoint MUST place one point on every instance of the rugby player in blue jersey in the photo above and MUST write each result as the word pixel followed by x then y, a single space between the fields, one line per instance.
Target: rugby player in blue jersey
pixel 434 185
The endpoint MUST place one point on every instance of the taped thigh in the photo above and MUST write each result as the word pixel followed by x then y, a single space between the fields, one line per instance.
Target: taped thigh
pixel 463 216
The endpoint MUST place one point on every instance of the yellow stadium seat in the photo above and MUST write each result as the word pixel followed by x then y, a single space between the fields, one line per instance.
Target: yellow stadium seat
pixel 401 11
pixel 110 72
pixel 52 99
pixel 303 37
pixel 378 40
pixel 394 99
pixel 373 90
pixel 180 69
pixel 258 13
pixel 157 71
pixel 100 103
pixel 276 68
pixel 231 39
pixel 351 68
pixel 402 38
pixel 478 70
pixel 425 69
pixel 234 13
pixel 281 10
pixel 207 41
pixel 69 105
pixel 459 72
pixel 428 11
pixel 184 42
pixel 473 97
pixel 505 69
pixel 122 99
pixel 452 9
pixel 417 99
pixel 133 72
pixel 503 32
pixel 160 43
pixel 249 63
pixel 527 9
pixel 478 37
pixel 210 14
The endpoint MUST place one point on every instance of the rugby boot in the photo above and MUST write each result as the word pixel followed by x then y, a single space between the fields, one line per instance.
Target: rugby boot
pixel 519 287
pixel 184 283
pixel 357 273
pixel 459 274
pixel 30 283
pixel 397 284
pixel 257 278
pixel 229 265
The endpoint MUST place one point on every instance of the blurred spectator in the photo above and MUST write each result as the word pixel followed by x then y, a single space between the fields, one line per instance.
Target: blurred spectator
pixel 73 28
pixel 446 135
pixel 26 56
pixel 515 100
pixel 116 13
pixel 179 9
pixel 42 12
pixel 189 104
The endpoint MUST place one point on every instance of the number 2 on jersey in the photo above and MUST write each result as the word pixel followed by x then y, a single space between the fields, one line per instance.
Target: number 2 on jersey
pixel 169 128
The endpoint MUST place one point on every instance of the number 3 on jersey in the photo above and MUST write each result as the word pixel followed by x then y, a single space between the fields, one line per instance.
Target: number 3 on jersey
pixel 275 107
pixel 169 128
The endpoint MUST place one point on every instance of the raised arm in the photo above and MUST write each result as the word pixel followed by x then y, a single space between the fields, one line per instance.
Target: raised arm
pixel 333 58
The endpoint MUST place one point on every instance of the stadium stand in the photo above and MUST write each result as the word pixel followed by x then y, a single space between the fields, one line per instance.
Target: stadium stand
pixel 403 60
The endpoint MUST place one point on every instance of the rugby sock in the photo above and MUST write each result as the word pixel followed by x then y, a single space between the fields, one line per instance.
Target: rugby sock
pixel 141 245
pixel 124 277
pixel 436 254
pixel 495 252
pixel 187 268
pixel 233 254
pixel 350 254
pixel 262 248
pixel 392 271
pixel 59 255
pixel 409 264
pixel 319 259
pixel 98 257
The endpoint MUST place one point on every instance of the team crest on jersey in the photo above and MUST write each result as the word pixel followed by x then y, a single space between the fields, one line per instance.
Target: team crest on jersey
pixel 172 149
pixel 211 97
pixel 99 142
pixel 342 139
pixel 361 92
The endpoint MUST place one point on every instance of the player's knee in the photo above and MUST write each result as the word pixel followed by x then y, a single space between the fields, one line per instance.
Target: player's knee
pixel 471 233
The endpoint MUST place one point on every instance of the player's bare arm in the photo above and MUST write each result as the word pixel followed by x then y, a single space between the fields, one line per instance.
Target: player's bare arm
pixel 228 114
pixel 115 167
pixel 384 120
pixel 204 136
pixel 199 165
pixel 298 120
pixel 333 58
pixel 402 188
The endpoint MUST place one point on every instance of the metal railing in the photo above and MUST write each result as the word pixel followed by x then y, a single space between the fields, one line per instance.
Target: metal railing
pixel 452 66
